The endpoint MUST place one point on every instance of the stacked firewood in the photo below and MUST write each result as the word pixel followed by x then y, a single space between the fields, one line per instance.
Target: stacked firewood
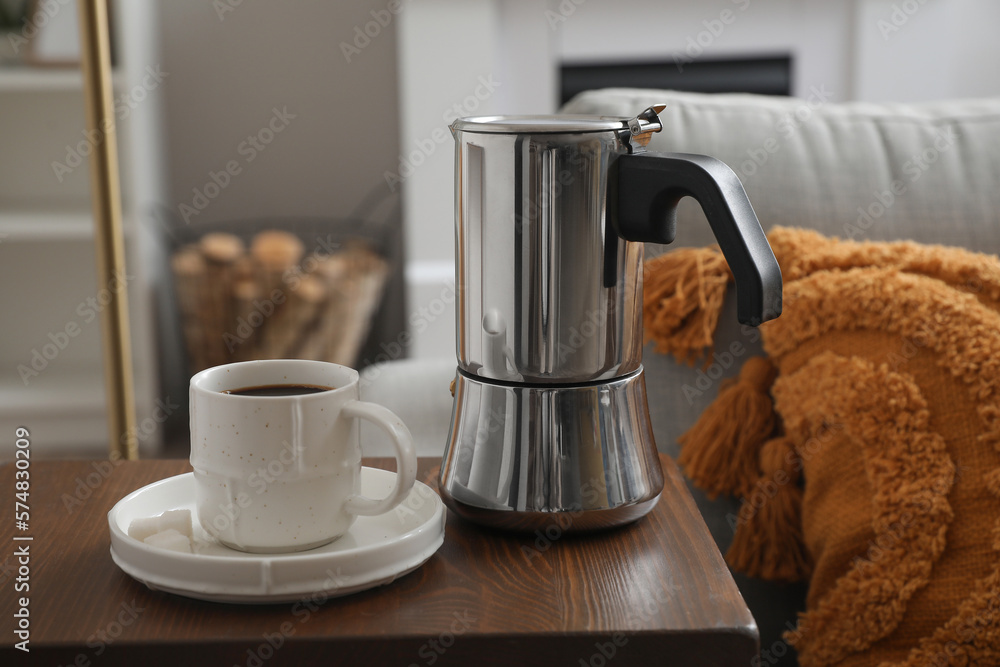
pixel 273 300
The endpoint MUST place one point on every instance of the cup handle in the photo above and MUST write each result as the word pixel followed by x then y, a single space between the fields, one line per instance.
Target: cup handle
pixel 406 458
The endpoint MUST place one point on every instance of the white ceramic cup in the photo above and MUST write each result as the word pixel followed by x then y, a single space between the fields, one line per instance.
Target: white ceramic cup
pixel 281 473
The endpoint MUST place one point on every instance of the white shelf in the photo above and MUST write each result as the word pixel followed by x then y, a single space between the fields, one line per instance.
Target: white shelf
pixel 44 79
pixel 39 79
pixel 39 224
pixel 63 410
pixel 79 390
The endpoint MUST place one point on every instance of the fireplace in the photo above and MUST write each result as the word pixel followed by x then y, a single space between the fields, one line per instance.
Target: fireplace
pixel 763 75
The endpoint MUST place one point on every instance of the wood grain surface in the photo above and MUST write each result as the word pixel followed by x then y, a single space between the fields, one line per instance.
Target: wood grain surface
pixel 656 592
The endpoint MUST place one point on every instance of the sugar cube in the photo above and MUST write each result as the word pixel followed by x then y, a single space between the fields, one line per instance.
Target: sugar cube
pixel 170 539
pixel 178 520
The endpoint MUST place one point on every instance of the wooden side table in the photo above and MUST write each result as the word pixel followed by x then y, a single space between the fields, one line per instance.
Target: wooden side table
pixel 656 592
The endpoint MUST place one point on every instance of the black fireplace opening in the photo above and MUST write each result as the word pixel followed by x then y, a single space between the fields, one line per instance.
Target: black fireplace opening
pixel 766 75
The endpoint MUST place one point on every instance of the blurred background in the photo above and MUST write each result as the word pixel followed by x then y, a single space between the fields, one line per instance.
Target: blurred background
pixel 287 168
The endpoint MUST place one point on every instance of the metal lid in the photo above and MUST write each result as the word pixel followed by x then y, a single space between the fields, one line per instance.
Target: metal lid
pixel 539 124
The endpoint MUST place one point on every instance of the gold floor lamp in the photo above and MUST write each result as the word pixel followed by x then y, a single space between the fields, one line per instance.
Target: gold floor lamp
pixel 106 200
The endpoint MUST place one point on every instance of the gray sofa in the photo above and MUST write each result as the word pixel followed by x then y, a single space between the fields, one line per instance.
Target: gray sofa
pixel 930 173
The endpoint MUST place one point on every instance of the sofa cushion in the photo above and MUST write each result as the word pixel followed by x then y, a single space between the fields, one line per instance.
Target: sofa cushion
pixel 926 172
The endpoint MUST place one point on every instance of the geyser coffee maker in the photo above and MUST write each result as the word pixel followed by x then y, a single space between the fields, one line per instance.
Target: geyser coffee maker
pixel 550 421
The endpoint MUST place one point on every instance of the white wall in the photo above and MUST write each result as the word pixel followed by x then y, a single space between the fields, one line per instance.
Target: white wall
pixel 936 49
pixel 944 49
pixel 448 68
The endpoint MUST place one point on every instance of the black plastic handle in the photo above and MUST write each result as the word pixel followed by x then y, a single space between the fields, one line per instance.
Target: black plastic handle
pixel 649 187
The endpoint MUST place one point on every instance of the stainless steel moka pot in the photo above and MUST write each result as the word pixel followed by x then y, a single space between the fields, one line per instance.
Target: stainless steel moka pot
pixel 550 425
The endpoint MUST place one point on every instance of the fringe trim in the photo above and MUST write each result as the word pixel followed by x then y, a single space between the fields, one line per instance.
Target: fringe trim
pixel 682 297
pixel 768 542
pixel 719 453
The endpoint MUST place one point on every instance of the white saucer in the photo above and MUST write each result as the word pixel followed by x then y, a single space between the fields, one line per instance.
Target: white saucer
pixel 374 552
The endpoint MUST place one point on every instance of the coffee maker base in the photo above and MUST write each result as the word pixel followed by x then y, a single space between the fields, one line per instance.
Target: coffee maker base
pixel 533 457
pixel 565 521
